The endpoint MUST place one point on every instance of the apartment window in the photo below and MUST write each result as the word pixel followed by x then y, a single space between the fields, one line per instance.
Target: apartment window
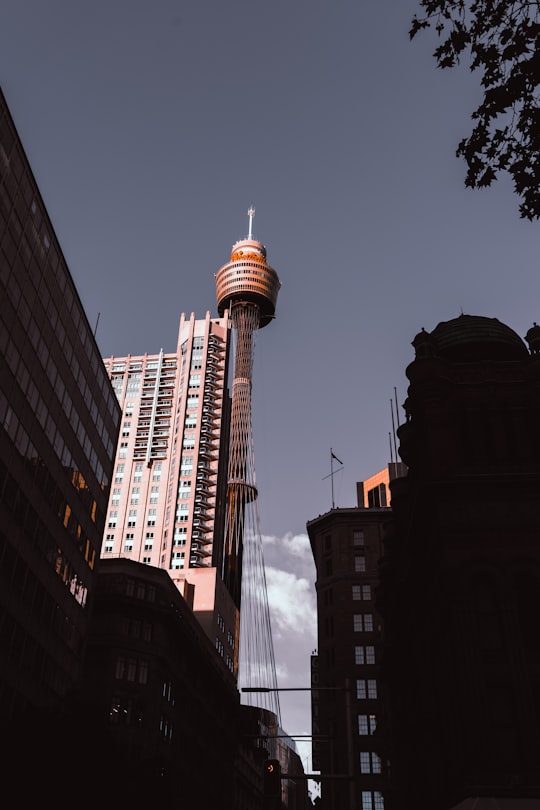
pixel 366 592
pixel 357 593
pixel 135 493
pixel 370 762
pixel 137 473
pixel 359 564
pixel 189 441
pixel 108 547
pixel 363 622
pixel 372 800
pixel 358 538
pixel 367 724
pixel 364 655
pixel 186 465
pixel 119 474
pixel 151 517
pixel 154 495
pixel 156 474
pixel 182 512
pixel 115 499
pixel 131 669
pixel 366 689
pixel 147 560
pixel 113 518
pixel 177 559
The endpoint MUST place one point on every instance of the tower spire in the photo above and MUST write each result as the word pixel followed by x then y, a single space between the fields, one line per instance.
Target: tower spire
pixel 251 214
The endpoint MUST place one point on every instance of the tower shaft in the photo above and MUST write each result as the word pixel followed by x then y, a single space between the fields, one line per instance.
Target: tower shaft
pixel 247 288
pixel 241 488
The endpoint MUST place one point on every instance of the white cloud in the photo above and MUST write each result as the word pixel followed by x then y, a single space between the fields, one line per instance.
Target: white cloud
pixel 292 602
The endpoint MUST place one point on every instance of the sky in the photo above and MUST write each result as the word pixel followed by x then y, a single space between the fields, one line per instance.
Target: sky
pixel 151 127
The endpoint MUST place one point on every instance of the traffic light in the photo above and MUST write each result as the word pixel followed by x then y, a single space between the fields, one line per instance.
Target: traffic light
pixel 272 777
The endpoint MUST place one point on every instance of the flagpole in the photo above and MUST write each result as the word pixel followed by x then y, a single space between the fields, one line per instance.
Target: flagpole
pixel 332 475
pixel 332 457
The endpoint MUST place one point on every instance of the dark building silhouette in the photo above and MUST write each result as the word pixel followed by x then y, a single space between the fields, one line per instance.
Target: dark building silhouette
pixel 346 698
pixel 59 420
pixel 166 704
pixel 165 708
pixel 460 576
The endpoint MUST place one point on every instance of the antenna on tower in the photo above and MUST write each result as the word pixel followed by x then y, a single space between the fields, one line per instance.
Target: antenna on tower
pixel 251 214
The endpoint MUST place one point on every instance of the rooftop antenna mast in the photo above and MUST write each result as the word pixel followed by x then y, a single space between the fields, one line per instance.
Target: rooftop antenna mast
pixel 251 214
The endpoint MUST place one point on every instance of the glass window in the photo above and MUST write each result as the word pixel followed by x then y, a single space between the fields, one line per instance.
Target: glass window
pixel 359 564
pixel 372 801
pixel 367 724
pixel 364 655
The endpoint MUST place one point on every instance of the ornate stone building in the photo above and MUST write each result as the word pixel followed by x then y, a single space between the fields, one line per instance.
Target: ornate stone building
pixel 460 576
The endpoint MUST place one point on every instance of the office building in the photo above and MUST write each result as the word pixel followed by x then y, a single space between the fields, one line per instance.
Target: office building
pixel 460 575
pixel 59 422
pixel 346 699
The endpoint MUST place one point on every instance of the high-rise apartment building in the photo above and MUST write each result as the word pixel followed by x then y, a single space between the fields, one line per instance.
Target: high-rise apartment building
pixel 59 422
pixel 168 491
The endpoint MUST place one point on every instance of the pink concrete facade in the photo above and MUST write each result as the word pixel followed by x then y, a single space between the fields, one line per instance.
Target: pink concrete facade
pixel 169 485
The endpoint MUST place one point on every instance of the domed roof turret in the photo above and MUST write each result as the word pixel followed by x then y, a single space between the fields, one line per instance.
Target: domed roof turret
pixel 471 338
